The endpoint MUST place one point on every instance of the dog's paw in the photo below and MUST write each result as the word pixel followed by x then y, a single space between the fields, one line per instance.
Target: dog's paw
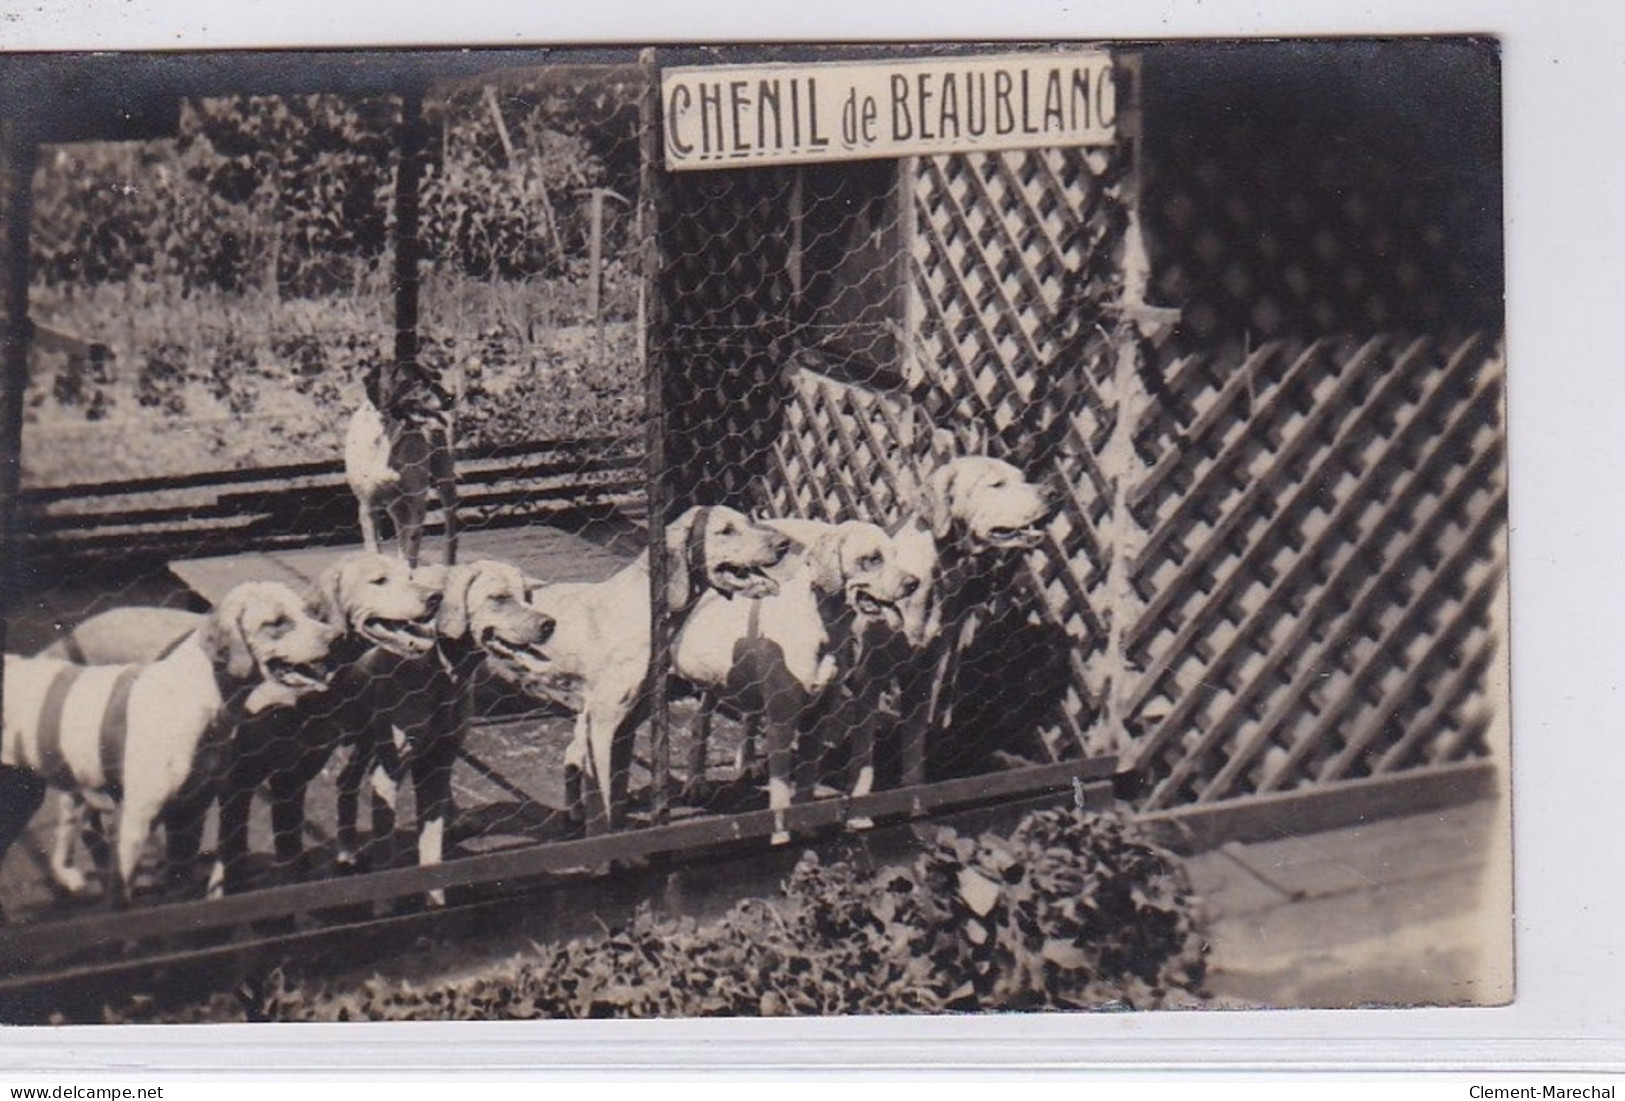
pixel 859 824
pixel 434 900
pixel 71 880
pixel 348 863
pixel 780 837
pixel 698 791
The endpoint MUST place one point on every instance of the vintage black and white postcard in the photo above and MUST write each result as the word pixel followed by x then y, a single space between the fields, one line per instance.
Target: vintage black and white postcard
pixel 753 531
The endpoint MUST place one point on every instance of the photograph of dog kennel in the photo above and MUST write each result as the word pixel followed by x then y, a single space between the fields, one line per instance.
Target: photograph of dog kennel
pixel 1136 500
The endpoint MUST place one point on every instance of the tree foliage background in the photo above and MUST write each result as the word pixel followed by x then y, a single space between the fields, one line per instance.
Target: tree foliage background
pixel 234 281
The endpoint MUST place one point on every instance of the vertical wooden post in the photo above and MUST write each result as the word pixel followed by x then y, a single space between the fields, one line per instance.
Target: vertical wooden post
pixel 408 242
pixel 595 275
pixel 1123 536
pixel 19 152
pixel 909 361
pixel 652 308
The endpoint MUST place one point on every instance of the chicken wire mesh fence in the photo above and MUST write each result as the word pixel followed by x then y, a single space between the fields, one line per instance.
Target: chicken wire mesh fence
pixel 1015 514
pixel 1272 546
pixel 208 309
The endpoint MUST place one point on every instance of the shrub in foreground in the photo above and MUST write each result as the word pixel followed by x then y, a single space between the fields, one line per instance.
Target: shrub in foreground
pixel 1071 911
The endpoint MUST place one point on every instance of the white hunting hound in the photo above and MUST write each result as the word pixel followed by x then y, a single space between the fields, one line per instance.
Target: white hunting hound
pixel 970 515
pixel 601 651
pixel 372 599
pixel 415 711
pixel 134 735
pixel 776 658
pixel 395 453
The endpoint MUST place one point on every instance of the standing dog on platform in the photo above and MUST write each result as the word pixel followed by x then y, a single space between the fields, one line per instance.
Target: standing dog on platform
pixel 139 735
pixel 775 659
pixel 971 517
pixel 395 452
pixel 414 712
pixel 372 599
pixel 601 653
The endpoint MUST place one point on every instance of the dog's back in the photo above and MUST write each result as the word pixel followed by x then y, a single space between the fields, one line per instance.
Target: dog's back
pixel 125 635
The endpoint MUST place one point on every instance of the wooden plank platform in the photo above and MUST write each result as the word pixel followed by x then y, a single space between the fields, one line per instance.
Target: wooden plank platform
pixel 1398 911
pixel 543 551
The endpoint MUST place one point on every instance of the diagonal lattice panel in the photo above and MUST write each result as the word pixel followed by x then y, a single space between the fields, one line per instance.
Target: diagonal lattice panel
pixel 1288 611
pixel 1012 253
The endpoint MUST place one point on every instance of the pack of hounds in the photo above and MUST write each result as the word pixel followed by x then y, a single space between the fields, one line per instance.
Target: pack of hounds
pixel 148 716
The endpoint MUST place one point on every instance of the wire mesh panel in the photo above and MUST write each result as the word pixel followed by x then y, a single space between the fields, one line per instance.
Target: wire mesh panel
pixel 452 252
pixel 936 493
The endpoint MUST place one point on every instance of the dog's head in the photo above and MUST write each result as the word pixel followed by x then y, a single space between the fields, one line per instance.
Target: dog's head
pixel 262 631
pixel 376 598
pixel 860 561
pixel 487 603
pixel 713 546
pixel 987 502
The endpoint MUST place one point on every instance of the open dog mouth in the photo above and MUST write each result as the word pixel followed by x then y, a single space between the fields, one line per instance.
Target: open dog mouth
pixel 1012 538
pixel 403 637
pixel 870 606
pixel 527 657
pixel 743 580
pixel 299 676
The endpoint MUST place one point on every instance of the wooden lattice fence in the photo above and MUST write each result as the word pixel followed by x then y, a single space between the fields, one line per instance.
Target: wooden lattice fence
pixel 1274 566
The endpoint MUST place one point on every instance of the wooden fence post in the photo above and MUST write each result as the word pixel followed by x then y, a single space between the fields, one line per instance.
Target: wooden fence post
pixel 1128 396
pixel 408 244
pixel 18 155
pixel 656 331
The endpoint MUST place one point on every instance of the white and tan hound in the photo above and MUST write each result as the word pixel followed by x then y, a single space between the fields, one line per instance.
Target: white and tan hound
pixel 133 736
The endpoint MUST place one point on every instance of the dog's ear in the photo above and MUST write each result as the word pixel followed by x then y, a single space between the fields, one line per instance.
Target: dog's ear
pixel 936 500
pixel 325 599
pixel 678 567
pixel 974 434
pixel 452 620
pixel 824 558
pixel 223 636
pixel 370 380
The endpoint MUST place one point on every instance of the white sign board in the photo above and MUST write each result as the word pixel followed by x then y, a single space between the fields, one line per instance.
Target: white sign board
pixel 726 116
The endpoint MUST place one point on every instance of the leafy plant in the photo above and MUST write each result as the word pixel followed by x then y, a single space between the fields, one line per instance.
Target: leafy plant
pixel 1071 911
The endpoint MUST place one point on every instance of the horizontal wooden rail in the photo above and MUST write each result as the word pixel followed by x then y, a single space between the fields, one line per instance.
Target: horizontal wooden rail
pixel 25 948
pixel 288 472
pixel 304 504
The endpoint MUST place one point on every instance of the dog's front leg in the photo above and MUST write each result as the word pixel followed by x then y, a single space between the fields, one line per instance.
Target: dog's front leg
pixel 231 851
pixel 369 527
pixel 698 788
pixel 136 815
pixel 21 794
pixel 355 771
pixel 288 821
pixel 787 702
pixel 431 771
pixel 386 777
pixel 183 832
pixel 71 815
pixel 448 509
pixel 575 766
pixel 610 730
pixel 408 511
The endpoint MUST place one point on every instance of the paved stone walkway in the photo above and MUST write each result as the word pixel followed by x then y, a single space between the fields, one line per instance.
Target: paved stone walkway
pixel 1403 911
